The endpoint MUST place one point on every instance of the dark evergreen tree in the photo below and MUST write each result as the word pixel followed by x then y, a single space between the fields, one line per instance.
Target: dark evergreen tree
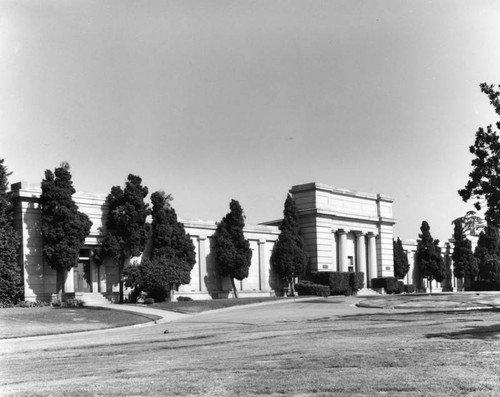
pixel 430 262
pixel 173 255
pixel 484 182
pixel 64 227
pixel 11 284
pixel 487 254
pixel 401 265
pixel 464 263
pixel 126 228
pixel 288 259
pixel 232 250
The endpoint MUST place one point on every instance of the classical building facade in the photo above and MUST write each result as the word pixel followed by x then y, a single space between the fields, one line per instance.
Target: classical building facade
pixel 343 230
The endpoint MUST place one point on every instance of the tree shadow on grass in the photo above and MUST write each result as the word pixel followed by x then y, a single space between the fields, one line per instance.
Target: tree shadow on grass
pixel 485 332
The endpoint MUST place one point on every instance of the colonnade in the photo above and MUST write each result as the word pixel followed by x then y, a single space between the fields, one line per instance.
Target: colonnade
pixel 365 253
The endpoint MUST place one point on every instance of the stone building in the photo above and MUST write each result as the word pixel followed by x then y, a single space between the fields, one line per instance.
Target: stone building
pixel 343 230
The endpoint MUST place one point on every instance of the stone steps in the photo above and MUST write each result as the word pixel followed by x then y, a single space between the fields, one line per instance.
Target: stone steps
pixel 93 298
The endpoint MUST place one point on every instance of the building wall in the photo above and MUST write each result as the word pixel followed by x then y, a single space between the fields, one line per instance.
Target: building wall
pixel 345 230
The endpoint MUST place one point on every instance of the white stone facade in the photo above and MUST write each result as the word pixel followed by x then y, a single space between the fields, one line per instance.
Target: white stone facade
pixel 343 231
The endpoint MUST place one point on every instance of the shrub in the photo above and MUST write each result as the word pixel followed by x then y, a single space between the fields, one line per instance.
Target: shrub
pixel 73 302
pixel 149 301
pixel 409 288
pixel 356 281
pixel 309 288
pixel 158 293
pixel 184 299
pixel 390 284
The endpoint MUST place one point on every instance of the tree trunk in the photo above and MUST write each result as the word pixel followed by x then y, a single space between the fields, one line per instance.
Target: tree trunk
pixel 234 288
pixel 430 285
pixel 120 281
pixel 60 284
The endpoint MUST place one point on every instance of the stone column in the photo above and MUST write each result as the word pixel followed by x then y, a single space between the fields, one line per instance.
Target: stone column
pixel 342 241
pixel 94 277
pixel 409 276
pixel 361 255
pixel 335 263
pixel 202 260
pixel 372 257
pixel 262 265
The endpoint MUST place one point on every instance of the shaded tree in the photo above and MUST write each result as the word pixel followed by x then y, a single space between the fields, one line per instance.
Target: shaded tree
pixel 63 226
pixel 430 262
pixel 487 254
pixel 173 255
pixel 484 179
pixel 232 250
pixel 464 262
pixel 126 228
pixel 288 259
pixel 11 283
pixel 401 265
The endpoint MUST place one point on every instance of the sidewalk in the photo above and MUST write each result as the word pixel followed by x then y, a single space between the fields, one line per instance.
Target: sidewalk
pixel 165 316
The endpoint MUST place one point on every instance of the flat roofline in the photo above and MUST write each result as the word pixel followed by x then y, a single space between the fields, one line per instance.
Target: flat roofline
pixel 341 191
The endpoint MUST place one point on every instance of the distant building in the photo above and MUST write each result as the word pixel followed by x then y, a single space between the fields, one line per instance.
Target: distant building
pixel 343 230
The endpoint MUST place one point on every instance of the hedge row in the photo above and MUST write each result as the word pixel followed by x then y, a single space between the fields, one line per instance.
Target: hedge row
pixel 392 285
pixel 309 288
pixel 340 283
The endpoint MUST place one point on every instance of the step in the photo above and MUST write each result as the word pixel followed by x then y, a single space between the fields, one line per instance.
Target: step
pixel 93 298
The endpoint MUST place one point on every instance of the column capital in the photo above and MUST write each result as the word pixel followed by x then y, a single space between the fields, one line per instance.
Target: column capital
pixel 358 233
pixel 262 241
pixel 200 238
pixel 371 234
pixel 341 231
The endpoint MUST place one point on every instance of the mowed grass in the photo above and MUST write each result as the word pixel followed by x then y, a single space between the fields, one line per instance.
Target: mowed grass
pixel 34 321
pixel 199 306
pixel 293 349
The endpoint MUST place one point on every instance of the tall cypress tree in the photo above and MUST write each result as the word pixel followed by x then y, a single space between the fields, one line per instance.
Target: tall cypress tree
pixel 11 284
pixel 401 265
pixel 487 254
pixel 232 250
pixel 126 227
pixel 429 259
pixel 64 227
pixel 464 263
pixel 173 250
pixel 288 259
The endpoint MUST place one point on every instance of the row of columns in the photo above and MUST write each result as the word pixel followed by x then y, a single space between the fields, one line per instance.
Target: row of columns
pixel 366 254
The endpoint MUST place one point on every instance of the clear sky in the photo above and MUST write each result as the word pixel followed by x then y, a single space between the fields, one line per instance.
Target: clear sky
pixel 214 100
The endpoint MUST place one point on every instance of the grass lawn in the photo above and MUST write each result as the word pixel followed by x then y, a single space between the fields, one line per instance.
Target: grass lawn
pixel 299 348
pixel 18 322
pixel 212 304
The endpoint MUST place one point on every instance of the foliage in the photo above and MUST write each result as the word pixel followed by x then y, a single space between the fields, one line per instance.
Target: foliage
pixel 409 288
pixel 74 302
pixel 472 224
pixel 401 265
pixel 63 227
pixel 172 246
pixel 340 283
pixel 126 227
pixel 430 263
pixel 487 254
pixel 308 288
pixel 391 285
pixel 464 263
pixel 288 259
pixel 172 258
pixel 484 182
pixel 11 283
pixel 232 250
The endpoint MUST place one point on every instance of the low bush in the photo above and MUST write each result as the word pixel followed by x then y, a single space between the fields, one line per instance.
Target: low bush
pixel 184 299
pixel 158 293
pixel 409 288
pixel 4 305
pixel 149 301
pixel 340 283
pixel 309 288
pixel 390 284
pixel 73 302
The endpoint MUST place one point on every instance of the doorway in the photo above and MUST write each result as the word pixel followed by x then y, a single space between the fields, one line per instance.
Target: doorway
pixel 82 276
